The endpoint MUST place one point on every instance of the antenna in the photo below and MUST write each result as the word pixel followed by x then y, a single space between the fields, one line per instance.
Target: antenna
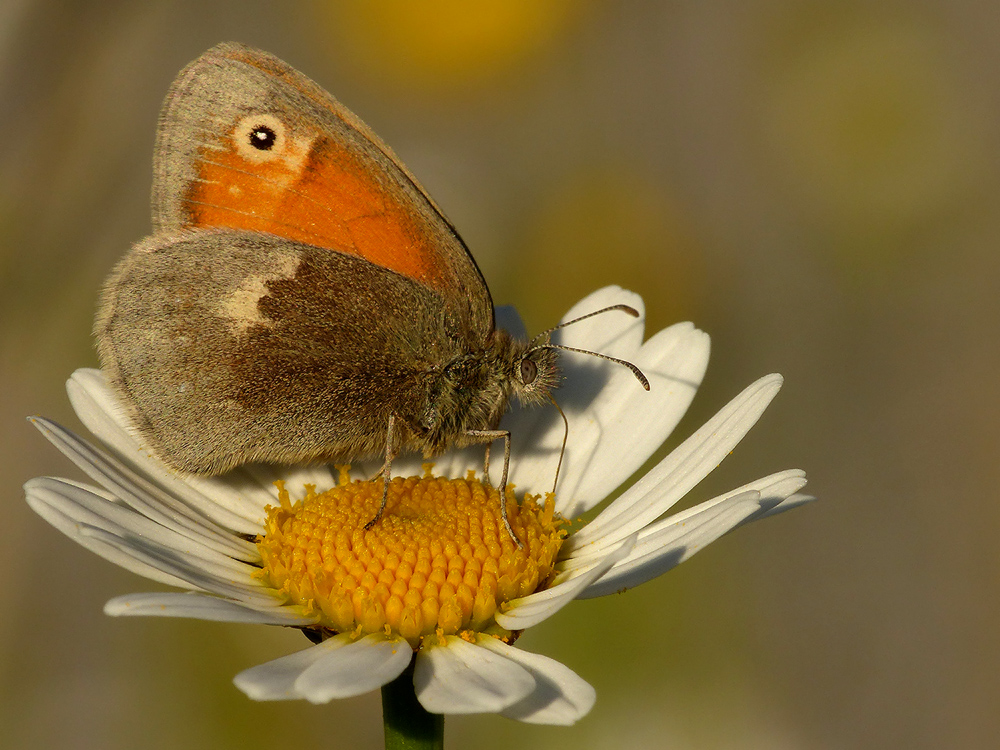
pixel 635 370
pixel 624 308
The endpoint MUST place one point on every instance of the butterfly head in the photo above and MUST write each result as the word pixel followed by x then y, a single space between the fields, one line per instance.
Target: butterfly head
pixel 531 371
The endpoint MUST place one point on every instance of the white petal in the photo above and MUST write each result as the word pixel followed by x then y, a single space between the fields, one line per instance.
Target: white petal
pixel 100 411
pixel 38 501
pixel 195 574
pixel 532 609
pixel 680 471
pixel 85 506
pixel 202 607
pixel 771 492
pixel 126 485
pixel 778 493
pixel 560 696
pixel 792 501
pixel 275 680
pixel 355 669
pixel 674 549
pixel 673 540
pixel 463 678
pixel 624 425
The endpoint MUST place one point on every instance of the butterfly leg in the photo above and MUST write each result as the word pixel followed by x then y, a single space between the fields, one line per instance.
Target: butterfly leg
pixel 489 436
pixel 486 465
pixel 386 470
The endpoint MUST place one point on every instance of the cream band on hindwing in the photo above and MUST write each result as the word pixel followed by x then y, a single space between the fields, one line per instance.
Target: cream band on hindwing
pixel 240 307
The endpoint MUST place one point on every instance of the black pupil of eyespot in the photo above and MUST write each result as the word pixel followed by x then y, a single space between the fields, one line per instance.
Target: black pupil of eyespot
pixel 262 138
pixel 529 370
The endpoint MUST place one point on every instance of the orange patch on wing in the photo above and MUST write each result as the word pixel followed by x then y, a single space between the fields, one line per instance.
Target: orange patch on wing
pixel 327 200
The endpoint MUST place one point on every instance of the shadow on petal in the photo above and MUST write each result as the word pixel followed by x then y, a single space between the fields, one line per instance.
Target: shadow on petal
pixel 560 696
pixel 463 678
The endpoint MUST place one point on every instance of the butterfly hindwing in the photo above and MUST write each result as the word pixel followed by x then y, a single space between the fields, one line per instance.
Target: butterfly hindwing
pixel 216 337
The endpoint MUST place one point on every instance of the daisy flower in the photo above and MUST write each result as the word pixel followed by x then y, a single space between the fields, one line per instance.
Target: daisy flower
pixel 436 589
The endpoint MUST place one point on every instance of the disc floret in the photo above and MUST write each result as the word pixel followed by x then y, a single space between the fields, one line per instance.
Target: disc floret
pixel 439 561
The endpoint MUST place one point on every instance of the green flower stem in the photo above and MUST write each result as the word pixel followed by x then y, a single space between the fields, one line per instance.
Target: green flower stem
pixel 408 726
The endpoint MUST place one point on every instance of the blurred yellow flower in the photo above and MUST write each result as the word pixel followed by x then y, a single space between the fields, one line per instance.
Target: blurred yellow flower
pixel 446 44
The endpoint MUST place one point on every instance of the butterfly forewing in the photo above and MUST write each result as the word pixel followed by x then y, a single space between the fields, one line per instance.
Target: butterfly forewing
pixel 247 142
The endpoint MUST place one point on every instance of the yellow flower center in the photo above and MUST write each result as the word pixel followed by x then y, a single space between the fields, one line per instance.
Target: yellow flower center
pixel 439 560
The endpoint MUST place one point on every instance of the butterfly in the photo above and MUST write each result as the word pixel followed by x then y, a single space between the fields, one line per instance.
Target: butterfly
pixel 302 298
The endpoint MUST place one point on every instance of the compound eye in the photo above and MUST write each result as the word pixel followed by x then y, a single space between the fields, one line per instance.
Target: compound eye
pixel 529 371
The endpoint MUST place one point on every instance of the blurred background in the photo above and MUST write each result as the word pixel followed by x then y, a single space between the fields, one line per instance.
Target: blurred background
pixel 815 184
